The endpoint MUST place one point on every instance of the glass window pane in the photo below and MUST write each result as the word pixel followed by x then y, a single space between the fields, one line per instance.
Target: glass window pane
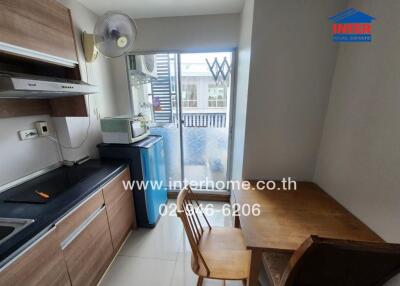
pixel 206 129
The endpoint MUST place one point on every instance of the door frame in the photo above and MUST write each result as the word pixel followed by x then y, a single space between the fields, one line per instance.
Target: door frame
pixel 232 103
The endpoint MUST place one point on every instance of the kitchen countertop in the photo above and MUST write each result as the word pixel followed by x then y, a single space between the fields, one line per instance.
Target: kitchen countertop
pixel 46 215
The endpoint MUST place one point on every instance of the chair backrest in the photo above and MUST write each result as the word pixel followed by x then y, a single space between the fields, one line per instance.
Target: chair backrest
pixel 192 216
pixel 333 262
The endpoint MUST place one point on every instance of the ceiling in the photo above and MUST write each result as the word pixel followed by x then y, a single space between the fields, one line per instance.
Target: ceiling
pixel 165 8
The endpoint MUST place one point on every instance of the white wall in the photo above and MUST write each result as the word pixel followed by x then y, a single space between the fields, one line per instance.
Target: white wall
pixel 293 60
pixel 243 73
pixel 121 86
pixel 72 130
pixel 359 157
pixel 194 33
pixel 20 158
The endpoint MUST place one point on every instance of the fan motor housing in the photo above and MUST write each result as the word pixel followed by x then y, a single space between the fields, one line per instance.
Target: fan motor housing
pixel 89 47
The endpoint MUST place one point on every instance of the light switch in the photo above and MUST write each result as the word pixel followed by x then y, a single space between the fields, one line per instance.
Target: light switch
pixel 42 128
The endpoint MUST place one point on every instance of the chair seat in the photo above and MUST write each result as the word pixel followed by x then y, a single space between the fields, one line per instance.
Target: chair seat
pixel 275 264
pixel 225 253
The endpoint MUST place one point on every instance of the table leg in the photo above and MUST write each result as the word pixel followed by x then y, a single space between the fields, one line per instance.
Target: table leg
pixel 255 265
pixel 236 222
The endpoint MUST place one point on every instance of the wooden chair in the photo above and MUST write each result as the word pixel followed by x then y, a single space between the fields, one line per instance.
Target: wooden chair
pixel 332 262
pixel 217 252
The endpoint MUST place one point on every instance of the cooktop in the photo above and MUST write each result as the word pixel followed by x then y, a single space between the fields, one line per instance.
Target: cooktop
pixel 56 183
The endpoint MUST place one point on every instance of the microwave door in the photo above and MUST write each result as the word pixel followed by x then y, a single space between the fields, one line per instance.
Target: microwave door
pixel 136 129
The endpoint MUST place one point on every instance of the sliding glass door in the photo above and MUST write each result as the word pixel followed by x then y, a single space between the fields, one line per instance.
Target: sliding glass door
pixel 187 99
pixel 205 104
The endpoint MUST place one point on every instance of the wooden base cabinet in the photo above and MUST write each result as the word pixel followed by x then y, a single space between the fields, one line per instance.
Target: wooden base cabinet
pixel 120 209
pixel 79 249
pixel 42 264
pixel 90 251
pixel 120 219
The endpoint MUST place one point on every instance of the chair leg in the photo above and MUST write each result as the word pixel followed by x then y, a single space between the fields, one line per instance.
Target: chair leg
pixel 200 281
pixel 244 281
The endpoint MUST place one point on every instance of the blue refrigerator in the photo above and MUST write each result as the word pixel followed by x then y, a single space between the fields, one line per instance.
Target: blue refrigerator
pixel 146 160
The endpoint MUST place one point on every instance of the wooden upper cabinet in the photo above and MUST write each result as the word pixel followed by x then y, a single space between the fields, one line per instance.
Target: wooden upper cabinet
pixel 37 37
pixel 42 26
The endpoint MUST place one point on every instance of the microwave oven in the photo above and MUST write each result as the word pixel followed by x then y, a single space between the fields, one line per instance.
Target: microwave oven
pixel 124 130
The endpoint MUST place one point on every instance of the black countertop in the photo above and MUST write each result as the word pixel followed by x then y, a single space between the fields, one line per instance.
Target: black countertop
pixel 83 180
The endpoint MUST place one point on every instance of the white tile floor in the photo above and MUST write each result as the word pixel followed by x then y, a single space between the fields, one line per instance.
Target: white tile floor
pixel 160 256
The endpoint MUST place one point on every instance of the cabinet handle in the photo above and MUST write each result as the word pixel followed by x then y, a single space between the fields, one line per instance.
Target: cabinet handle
pixel 75 233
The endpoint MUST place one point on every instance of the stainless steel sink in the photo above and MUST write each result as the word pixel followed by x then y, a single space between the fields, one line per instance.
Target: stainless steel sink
pixel 11 226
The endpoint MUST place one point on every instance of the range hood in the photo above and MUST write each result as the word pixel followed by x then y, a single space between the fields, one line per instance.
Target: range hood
pixel 14 85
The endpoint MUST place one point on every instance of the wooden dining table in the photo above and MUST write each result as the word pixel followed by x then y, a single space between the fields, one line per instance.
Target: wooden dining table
pixel 288 217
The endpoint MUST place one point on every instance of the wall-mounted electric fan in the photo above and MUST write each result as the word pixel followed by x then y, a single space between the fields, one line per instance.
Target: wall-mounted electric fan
pixel 113 36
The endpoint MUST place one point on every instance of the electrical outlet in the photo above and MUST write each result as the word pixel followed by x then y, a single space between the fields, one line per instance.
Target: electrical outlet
pixel 28 134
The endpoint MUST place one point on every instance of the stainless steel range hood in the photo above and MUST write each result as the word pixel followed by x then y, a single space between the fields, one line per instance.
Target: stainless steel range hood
pixel 13 85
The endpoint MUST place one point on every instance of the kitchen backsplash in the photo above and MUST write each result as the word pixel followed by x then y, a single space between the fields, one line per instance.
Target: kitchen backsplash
pixel 20 158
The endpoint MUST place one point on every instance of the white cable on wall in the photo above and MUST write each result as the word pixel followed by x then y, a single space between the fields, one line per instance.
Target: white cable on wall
pixel 86 135
pixel 59 152
pixel 89 124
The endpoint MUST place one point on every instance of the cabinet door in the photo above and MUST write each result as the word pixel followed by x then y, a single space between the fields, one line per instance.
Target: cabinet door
pixel 42 26
pixel 120 209
pixel 76 217
pixel 120 217
pixel 42 264
pixel 89 250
